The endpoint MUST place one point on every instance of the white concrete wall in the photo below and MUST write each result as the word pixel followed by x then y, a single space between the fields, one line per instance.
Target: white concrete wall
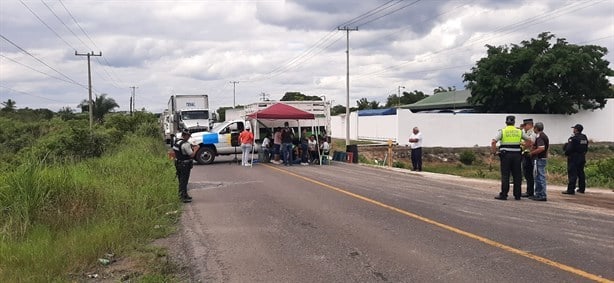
pixel 466 130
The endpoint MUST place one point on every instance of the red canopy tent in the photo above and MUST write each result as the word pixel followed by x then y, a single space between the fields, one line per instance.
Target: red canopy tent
pixel 280 111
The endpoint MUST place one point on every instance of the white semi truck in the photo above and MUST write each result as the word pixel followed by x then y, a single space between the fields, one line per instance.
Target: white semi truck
pixel 187 112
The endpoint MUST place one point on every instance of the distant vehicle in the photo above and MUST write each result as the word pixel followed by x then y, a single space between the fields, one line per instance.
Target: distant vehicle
pixel 186 112
pixel 221 140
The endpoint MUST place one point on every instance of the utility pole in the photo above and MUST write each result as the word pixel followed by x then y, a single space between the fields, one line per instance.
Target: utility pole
pixel 133 99
pixel 234 88
pixel 264 96
pixel 347 83
pixel 89 80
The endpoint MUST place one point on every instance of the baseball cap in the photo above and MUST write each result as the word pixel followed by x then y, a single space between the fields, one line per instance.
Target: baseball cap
pixel 527 121
pixel 578 127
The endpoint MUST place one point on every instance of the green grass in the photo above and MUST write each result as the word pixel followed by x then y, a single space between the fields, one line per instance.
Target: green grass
pixel 59 219
pixel 599 168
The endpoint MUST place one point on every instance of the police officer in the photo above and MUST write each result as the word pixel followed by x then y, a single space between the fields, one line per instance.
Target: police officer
pixel 527 160
pixel 575 150
pixel 509 139
pixel 184 154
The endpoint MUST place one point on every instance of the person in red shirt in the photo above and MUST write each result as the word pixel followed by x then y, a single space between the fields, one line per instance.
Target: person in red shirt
pixel 246 138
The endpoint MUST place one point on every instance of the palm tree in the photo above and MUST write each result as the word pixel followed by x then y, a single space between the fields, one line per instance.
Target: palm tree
pixel 102 106
pixel 9 105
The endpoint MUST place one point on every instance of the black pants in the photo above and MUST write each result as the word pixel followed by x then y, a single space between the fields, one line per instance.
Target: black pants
pixel 183 174
pixel 527 171
pixel 416 159
pixel 575 172
pixel 511 163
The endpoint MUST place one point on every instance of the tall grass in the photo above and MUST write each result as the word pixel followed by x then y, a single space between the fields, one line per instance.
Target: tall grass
pixel 56 220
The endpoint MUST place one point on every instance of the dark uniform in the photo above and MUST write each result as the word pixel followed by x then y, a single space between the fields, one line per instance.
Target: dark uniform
pixel 183 166
pixel 510 155
pixel 575 150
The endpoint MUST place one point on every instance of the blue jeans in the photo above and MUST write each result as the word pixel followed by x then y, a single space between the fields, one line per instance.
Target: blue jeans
pixel 540 177
pixel 286 153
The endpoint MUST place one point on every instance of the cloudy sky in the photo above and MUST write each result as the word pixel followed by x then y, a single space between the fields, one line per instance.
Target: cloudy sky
pixel 168 47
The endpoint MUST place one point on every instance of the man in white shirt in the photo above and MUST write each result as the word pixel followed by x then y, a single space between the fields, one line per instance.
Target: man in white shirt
pixel 415 142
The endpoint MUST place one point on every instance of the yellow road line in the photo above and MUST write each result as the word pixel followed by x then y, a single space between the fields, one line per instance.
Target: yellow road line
pixel 487 241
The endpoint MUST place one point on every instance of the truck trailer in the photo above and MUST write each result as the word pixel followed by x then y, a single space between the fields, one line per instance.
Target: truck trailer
pixel 187 112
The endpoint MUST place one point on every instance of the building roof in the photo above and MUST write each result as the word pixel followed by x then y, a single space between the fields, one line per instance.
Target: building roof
pixel 442 100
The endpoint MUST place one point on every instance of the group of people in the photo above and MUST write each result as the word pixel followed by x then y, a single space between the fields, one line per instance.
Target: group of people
pixel 282 149
pixel 524 151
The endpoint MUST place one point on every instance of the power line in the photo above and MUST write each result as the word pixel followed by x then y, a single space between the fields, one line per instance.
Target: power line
pixel 27 93
pixel 515 26
pixel 370 13
pixel 41 61
pixel 393 11
pixel 65 25
pixel 49 27
pixel 324 41
pixel 113 78
pixel 35 70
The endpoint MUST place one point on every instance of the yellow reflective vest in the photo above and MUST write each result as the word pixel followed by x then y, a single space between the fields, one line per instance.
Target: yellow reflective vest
pixel 510 138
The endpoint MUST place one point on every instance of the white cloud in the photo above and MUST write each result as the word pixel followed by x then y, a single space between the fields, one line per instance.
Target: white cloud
pixel 166 47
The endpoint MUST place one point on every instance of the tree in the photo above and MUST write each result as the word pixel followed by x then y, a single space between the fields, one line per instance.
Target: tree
pixel 102 106
pixel 297 96
pixel 406 98
pixel 9 106
pixel 362 103
pixel 337 109
pixel 442 89
pixel 540 77
pixel 374 104
pixel 66 113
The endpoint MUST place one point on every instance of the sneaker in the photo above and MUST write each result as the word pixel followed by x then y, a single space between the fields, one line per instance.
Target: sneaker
pixel 499 197
pixel 568 193
pixel 579 191
pixel 539 199
pixel 304 163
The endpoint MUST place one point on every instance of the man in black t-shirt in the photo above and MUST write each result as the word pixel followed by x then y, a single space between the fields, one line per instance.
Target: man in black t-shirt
pixel 540 155
pixel 287 135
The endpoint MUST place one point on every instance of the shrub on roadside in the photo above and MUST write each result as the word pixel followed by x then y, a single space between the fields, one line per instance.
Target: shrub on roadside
pixel 400 164
pixel 467 157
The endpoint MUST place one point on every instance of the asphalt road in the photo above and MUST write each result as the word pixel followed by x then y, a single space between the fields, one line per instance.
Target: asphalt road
pixel 351 223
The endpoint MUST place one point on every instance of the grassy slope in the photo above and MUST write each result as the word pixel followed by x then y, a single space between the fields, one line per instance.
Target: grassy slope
pixel 58 220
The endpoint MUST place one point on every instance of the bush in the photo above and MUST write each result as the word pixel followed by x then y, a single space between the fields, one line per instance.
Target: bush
pixel 399 164
pixel 467 157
